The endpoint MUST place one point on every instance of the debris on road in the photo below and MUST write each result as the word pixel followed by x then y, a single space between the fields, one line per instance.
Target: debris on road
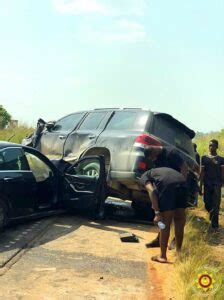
pixel 128 237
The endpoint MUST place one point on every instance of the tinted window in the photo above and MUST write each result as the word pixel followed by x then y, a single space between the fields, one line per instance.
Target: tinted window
pixel 13 159
pixel 68 123
pixel 125 120
pixel 170 133
pixel 40 170
pixel 92 121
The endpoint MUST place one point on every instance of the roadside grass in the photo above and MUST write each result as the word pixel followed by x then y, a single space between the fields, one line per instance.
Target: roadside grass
pixel 196 258
pixel 202 141
pixel 16 134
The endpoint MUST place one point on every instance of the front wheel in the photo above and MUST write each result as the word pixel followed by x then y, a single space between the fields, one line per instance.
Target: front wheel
pixel 92 170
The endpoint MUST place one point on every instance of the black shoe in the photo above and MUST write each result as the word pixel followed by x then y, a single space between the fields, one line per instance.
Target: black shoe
pixel 153 244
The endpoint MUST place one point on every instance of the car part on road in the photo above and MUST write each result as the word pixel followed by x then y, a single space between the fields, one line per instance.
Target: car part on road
pixel 129 238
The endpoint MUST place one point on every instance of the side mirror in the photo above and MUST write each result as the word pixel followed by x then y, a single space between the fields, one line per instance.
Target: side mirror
pixel 50 125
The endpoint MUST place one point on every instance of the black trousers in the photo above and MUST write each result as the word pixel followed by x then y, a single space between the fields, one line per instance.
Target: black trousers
pixel 212 200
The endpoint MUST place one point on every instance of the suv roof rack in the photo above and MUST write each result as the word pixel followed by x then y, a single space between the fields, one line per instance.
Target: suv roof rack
pixel 106 108
pixel 132 108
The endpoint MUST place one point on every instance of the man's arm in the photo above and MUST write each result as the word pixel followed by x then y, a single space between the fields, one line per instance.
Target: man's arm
pixel 154 199
pixel 222 174
pixel 201 176
pixel 152 195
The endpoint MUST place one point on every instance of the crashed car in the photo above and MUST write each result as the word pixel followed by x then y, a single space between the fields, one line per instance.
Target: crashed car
pixel 120 135
pixel 32 186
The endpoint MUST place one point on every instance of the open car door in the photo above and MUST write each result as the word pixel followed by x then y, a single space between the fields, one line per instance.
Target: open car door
pixel 86 181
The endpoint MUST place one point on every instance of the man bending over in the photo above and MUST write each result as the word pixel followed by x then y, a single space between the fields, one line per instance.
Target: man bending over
pixel 168 192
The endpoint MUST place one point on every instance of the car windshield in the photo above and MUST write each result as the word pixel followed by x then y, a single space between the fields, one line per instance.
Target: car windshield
pixel 170 133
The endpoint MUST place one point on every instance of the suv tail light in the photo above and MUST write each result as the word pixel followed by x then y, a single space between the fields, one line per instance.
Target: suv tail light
pixel 144 140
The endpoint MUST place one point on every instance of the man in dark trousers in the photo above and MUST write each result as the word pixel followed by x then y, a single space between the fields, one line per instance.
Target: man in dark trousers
pixel 168 192
pixel 212 177
pixel 165 156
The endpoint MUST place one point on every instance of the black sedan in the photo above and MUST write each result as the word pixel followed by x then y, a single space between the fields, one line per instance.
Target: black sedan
pixel 31 185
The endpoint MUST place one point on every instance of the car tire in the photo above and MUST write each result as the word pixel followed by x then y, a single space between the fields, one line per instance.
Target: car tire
pixel 3 215
pixel 92 169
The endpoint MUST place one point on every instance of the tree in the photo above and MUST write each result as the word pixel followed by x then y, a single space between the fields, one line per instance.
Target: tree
pixel 5 117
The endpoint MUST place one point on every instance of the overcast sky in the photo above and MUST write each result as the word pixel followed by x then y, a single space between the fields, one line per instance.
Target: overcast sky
pixel 60 56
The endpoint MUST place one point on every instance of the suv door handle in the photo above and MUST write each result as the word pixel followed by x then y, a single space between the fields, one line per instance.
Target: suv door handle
pixel 7 179
pixel 91 136
pixel 62 137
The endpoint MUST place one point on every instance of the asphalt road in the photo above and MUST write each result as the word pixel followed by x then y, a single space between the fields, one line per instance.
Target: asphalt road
pixel 72 257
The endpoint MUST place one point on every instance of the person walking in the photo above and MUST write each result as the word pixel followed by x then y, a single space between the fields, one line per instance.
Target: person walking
pixel 168 192
pixel 212 177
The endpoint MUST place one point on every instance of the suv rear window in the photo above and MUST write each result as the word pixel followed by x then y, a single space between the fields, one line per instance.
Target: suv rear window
pixel 128 120
pixel 173 135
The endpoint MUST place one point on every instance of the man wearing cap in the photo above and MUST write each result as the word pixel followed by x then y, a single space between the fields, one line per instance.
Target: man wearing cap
pixel 212 177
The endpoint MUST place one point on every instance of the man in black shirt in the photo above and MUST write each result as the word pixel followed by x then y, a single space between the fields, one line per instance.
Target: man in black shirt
pixel 212 176
pixel 165 156
pixel 168 192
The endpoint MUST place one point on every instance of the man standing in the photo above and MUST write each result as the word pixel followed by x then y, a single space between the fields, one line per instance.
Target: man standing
pixel 212 176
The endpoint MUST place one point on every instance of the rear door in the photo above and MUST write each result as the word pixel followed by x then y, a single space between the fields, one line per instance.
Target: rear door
pixel 52 142
pixel 86 135
pixel 86 190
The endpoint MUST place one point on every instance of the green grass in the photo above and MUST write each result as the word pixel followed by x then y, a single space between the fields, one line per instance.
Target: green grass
pixel 202 141
pixel 16 134
pixel 199 245
pixel 197 257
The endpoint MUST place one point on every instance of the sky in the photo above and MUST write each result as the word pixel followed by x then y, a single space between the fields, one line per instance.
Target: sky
pixel 62 56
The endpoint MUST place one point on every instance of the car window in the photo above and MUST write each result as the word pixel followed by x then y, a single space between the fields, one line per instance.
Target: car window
pixel 40 170
pixel 128 120
pixel 68 123
pixel 92 121
pixel 170 133
pixel 13 159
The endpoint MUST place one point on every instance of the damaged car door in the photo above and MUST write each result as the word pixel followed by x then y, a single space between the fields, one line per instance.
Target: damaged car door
pixel 52 140
pixel 86 185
